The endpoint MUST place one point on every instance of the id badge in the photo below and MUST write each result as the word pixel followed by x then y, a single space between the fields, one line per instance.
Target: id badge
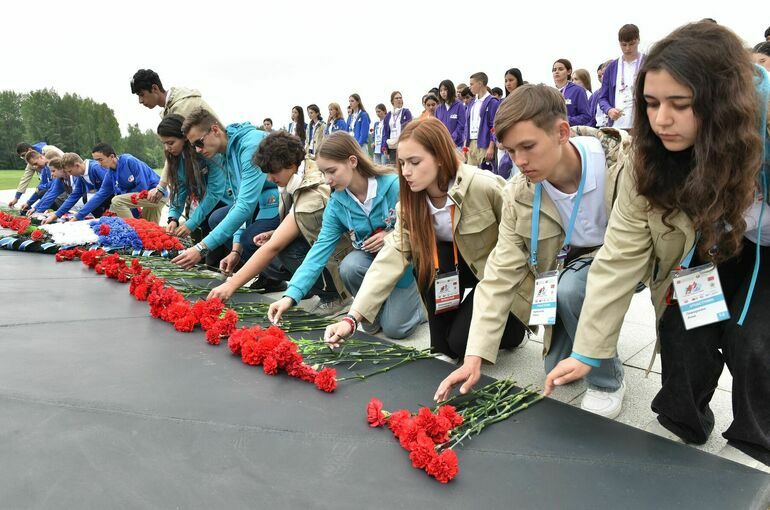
pixel 447 292
pixel 544 300
pixel 700 296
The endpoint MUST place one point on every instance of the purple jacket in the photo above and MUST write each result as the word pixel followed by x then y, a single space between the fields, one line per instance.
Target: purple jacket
pixel 453 119
pixel 606 94
pixel 488 111
pixel 593 101
pixel 406 116
pixel 577 105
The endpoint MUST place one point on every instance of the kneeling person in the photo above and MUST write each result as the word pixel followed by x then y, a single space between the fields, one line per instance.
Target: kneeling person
pixel 555 214
pixel 304 196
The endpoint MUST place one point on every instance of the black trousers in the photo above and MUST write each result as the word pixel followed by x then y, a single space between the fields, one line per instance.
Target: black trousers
pixel 449 330
pixel 693 360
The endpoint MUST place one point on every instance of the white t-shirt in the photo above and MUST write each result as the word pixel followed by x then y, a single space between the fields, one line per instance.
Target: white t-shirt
pixel 371 193
pixel 752 219
pixel 378 137
pixel 624 91
pixel 591 223
pixel 353 119
pixel 442 218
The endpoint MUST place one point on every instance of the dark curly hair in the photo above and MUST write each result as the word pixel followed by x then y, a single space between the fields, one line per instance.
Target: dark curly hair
pixel 713 182
pixel 278 151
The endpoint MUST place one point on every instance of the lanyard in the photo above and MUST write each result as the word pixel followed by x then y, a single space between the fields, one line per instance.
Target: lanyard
pixel 573 217
pixel 688 258
pixel 454 246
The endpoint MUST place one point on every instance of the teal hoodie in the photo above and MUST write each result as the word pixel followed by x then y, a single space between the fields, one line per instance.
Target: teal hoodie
pixel 214 179
pixel 246 183
pixel 343 216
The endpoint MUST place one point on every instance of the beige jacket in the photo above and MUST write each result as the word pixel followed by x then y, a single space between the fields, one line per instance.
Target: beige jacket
pixel 478 198
pixel 509 280
pixel 181 101
pixel 309 201
pixel 315 142
pixel 50 152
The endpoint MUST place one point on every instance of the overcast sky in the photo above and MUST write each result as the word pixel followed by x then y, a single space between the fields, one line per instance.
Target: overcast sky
pixel 257 60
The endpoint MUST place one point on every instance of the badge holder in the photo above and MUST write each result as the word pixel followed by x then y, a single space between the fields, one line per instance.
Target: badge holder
pixel 699 294
pixel 447 285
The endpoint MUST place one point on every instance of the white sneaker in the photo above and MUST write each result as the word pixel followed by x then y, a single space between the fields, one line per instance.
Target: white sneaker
pixel 654 427
pixel 333 308
pixel 604 403
pixel 310 303
pixel 734 454
pixel 444 357
pixel 371 329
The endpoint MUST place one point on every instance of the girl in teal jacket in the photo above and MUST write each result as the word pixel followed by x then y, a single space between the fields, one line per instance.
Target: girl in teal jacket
pixel 361 207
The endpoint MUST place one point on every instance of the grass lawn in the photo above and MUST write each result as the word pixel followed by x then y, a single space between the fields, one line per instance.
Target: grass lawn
pixel 9 179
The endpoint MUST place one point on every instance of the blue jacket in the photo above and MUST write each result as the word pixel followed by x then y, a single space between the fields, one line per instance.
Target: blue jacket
pixel 214 178
pixel 98 177
pixel 131 175
pixel 337 125
pixel 43 187
pixel 361 130
pixel 406 116
pixel 56 189
pixel 344 217
pixel 245 183
pixel 577 105
pixel 454 120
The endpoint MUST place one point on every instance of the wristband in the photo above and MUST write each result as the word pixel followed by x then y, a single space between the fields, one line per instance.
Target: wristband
pixel 350 320
pixel 170 219
pixel 236 251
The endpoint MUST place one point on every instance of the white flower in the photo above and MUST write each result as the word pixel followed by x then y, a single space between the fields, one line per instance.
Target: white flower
pixel 71 233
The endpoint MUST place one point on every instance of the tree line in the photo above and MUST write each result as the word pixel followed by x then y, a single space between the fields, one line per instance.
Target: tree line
pixel 70 122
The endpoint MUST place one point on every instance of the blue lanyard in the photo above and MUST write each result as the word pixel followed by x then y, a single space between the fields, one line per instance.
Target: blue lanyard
pixel 573 217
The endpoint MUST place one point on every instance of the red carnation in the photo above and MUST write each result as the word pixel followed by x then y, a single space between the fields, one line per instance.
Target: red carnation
pixel 423 451
pixel 451 414
pixel 326 380
pixel 397 419
pixel 37 235
pixel 104 229
pixel 185 324
pixel 270 365
pixel 302 371
pixel 134 199
pixel 374 414
pixel 444 466
pixel 143 194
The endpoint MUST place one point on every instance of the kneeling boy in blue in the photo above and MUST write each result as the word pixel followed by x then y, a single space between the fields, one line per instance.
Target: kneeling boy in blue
pixel 85 177
pixel 38 163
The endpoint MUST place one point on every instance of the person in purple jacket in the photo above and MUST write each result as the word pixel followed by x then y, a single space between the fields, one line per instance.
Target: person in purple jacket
pixel 395 121
pixel 574 95
pixel 600 118
pixel 617 92
pixel 480 138
pixel 451 111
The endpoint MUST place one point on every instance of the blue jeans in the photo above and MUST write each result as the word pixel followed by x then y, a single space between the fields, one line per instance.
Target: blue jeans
pixel 569 297
pixel 286 263
pixel 257 227
pixel 380 159
pixel 401 313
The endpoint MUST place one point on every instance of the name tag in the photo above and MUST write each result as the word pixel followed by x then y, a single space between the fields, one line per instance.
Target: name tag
pixel 453 116
pixel 699 293
pixel 544 300
pixel 130 178
pixel 447 287
pixel 568 101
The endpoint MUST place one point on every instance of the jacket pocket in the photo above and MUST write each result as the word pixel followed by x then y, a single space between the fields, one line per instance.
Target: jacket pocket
pixel 480 229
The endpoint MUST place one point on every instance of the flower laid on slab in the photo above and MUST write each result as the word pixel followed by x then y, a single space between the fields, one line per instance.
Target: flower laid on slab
pixel 430 435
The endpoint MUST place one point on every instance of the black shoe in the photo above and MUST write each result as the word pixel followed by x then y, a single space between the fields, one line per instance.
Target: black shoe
pixel 267 284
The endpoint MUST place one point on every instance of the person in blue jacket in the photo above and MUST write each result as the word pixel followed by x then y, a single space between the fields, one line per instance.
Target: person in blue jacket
pixel 191 179
pixel 336 121
pixel 125 176
pixel 59 191
pixel 362 207
pixel 84 177
pixel 39 164
pixel 578 113
pixel 245 185
pixel 358 121
pixel 451 112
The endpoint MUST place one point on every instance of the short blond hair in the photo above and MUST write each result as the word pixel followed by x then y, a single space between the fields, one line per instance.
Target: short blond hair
pixel 70 159
pixel 55 163
pixel 30 155
pixel 541 104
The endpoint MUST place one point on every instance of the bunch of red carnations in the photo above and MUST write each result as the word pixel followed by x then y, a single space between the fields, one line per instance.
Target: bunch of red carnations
pixel 71 254
pixel 153 236
pixel 17 223
pixel 424 435
pixel 274 351
pixel 135 197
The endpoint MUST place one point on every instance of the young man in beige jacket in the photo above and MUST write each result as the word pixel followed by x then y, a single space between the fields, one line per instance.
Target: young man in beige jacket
pixel 561 200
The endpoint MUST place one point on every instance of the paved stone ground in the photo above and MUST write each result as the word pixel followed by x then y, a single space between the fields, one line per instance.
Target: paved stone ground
pixel 637 342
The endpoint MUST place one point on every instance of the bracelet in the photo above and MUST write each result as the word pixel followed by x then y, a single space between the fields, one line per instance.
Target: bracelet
pixel 236 251
pixel 350 320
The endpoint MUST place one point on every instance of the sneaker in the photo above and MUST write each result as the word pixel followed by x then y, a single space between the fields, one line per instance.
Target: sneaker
pixel 604 403
pixel 732 453
pixel 332 308
pixel 444 357
pixel 371 329
pixel 310 303
pixel 654 427
pixel 267 284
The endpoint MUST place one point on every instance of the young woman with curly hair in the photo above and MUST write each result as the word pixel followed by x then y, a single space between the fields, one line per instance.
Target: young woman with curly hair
pixel 694 200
